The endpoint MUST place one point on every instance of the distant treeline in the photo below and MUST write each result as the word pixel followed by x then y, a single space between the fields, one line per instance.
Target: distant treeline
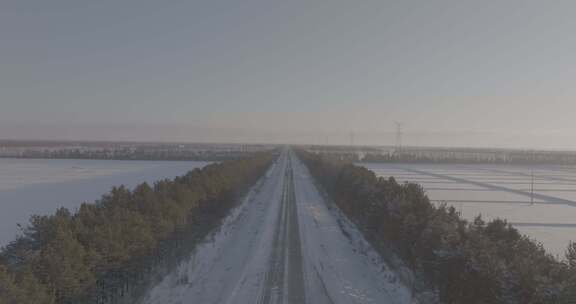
pixel 462 262
pixel 108 251
pixel 513 158
pixel 130 154
pixel 446 155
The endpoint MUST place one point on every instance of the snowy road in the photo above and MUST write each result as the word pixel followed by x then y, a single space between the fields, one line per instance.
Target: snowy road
pixel 283 244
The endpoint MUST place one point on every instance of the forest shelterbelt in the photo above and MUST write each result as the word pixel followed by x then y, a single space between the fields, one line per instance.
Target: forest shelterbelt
pixel 474 262
pixel 283 244
pixel 108 250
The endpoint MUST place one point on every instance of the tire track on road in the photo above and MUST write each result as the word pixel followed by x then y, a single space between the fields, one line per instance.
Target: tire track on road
pixel 284 279
pixel 295 275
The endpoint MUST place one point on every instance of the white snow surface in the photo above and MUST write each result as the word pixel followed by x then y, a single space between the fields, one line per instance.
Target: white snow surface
pixel 235 263
pixel 40 186
pixel 539 200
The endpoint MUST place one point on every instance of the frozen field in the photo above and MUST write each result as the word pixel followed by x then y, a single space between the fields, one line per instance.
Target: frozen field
pixel 39 186
pixel 502 191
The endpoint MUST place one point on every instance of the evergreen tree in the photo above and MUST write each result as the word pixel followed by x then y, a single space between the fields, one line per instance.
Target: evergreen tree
pixel 476 263
pixel 108 249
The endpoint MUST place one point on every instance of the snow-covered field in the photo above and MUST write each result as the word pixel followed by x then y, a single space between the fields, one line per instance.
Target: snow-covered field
pixel 283 244
pixel 502 191
pixel 39 186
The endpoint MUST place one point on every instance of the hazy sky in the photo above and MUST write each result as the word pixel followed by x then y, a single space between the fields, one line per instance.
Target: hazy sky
pixel 466 73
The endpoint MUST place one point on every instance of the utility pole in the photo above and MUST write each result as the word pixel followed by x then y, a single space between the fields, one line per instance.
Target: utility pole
pixel 352 147
pixel 398 136
pixel 532 187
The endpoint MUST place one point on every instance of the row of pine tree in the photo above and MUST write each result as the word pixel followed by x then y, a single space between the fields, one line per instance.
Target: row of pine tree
pixel 461 262
pixel 107 251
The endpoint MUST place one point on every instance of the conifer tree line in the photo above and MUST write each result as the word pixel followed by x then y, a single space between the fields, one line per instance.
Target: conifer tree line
pixel 107 249
pixel 462 262
pixel 136 154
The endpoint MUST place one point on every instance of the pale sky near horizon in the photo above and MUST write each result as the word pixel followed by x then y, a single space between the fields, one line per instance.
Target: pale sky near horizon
pixel 455 72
